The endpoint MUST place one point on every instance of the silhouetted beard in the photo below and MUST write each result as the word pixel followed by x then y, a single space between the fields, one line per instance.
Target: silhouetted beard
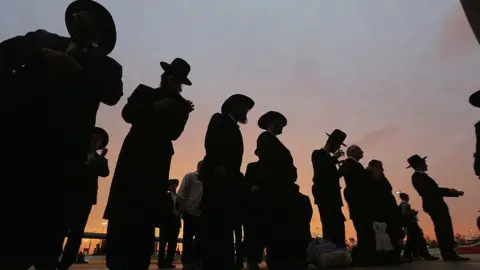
pixel 242 120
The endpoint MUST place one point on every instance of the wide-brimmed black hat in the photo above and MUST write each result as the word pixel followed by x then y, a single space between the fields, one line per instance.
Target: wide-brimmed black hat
pixel 104 138
pixel 237 99
pixel 108 36
pixel 475 99
pixel 337 137
pixel 375 163
pixel 415 160
pixel 178 68
pixel 270 116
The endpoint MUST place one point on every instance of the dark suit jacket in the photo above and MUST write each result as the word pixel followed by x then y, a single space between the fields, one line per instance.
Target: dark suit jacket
pixel 171 219
pixel 326 179
pixel 432 195
pixel 383 203
pixel 143 166
pixel 277 168
pixel 476 164
pixel 357 188
pixel 223 147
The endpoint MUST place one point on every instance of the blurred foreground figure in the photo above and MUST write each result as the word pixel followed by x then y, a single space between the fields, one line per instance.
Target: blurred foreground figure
pixel 326 188
pixel 221 177
pixel 434 205
pixel 51 88
pixel 136 204
pixel 475 101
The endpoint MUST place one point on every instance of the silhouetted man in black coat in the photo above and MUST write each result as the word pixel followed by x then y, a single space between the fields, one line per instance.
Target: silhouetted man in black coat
pixel 139 186
pixel 221 176
pixel 52 87
pixel 434 205
pixel 475 101
pixel 326 188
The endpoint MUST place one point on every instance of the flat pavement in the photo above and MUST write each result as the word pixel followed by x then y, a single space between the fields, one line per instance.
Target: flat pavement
pixel 419 265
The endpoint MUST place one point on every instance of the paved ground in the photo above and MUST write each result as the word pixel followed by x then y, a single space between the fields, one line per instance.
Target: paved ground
pixel 438 265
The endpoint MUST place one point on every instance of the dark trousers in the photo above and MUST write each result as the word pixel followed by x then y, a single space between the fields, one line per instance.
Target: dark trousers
pixel 254 242
pixel 192 248
pixel 366 243
pixel 444 233
pixel 129 244
pixel 416 245
pixel 168 240
pixel 239 250
pixel 333 223
pixel 218 239
pixel 76 219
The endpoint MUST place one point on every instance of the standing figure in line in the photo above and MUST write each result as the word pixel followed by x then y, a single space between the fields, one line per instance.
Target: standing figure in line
pixel 189 198
pixel 279 175
pixel 475 101
pixel 170 228
pixel 359 204
pixel 52 86
pixel 434 205
pixel 221 177
pixel 385 208
pixel 326 188
pixel 416 246
pixel 137 195
pixel 82 196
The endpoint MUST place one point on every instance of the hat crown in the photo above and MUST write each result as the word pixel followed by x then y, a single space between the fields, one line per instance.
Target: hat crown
pixel 415 160
pixel 337 137
pixel 180 66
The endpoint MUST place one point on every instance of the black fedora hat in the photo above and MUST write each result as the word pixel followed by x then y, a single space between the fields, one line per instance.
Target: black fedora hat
pixel 103 137
pixel 337 137
pixel 415 160
pixel 237 99
pixel 475 99
pixel 108 37
pixel 179 68
pixel 265 119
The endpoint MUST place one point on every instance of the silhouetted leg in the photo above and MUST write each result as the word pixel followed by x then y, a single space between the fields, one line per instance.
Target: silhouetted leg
pixel 238 245
pixel 444 233
pixel 172 244
pixel 77 225
pixel 188 233
pixel 163 239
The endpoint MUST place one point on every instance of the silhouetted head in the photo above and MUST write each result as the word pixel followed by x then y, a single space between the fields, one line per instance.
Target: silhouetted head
pixel 417 163
pixel 199 165
pixel 335 140
pixel 175 74
pixel 376 166
pixel 89 22
pixel 355 152
pixel 173 184
pixel 238 106
pixel 404 197
pixel 99 139
pixel 272 121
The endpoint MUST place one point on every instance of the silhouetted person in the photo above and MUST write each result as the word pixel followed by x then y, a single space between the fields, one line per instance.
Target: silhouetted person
pixel 82 195
pixel 221 177
pixel 254 243
pixel 356 194
pixel 416 246
pixel 326 188
pixel 434 205
pixel 137 194
pixel 278 175
pixel 301 217
pixel 190 196
pixel 170 228
pixel 475 101
pixel 52 87
pixel 384 205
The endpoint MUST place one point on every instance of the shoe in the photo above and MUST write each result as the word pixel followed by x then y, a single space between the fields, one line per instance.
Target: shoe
pixel 456 258
pixel 430 258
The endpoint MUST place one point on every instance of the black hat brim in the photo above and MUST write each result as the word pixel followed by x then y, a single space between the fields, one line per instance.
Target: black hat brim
pixel 270 116
pixel 237 99
pixel 166 66
pixel 105 20
pixel 474 99
pixel 330 135
pixel 103 137
pixel 410 166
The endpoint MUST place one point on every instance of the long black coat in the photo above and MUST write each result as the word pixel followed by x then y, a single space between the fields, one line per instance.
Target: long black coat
pixel 45 118
pixel 223 147
pixel 141 176
pixel 357 188
pixel 383 201
pixel 326 179
pixel 277 168
pixel 432 195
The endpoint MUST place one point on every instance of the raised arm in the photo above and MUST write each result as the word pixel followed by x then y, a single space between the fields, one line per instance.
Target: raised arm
pixel 139 106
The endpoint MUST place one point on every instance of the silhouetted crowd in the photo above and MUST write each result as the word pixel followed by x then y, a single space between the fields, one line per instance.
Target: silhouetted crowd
pixel 52 156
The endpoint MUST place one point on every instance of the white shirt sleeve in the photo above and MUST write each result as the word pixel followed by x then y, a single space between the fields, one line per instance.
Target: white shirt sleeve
pixel 183 192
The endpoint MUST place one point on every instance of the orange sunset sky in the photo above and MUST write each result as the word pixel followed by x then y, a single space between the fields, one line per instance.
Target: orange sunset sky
pixel 394 75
